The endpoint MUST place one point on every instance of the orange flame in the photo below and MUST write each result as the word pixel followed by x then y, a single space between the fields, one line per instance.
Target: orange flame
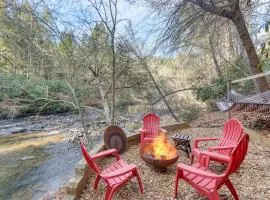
pixel 161 148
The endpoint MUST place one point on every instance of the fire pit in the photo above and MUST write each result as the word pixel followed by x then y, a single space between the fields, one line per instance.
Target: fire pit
pixel 160 153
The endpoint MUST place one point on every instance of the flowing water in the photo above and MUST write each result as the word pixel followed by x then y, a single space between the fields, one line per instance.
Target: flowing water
pixel 36 157
pixel 33 164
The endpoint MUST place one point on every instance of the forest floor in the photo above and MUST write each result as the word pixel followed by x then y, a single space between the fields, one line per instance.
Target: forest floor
pixel 251 181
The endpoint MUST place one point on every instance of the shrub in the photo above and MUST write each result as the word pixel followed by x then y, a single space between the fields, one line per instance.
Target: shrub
pixel 215 90
pixel 240 70
pixel 190 111
pixel 56 86
pixel 187 108
pixel 23 90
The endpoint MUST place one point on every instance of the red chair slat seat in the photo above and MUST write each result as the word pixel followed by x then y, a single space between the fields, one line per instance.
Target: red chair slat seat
pixel 232 132
pixel 115 175
pixel 207 182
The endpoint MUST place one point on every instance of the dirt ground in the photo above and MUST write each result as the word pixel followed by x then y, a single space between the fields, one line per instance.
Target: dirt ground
pixel 252 181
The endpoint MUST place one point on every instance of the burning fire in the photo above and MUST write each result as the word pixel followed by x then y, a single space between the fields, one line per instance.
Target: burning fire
pixel 161 148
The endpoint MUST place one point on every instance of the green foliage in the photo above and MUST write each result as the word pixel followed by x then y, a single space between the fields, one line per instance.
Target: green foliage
pixel 67 43
pixel 56 86
pixel 240 70
pixel 190 111
pixel 215 90
pixel 35 108
pixel 33 45
pixel 23 92
pixel 265 49
pixel 18 86
pixel 187 109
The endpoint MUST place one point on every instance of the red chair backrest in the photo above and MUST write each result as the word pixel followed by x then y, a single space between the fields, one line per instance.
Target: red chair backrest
pixel 238 154
pixel 232 132
pixel 151 123
pixel 91 163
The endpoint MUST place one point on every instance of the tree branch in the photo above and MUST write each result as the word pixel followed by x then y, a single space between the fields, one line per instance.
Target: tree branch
pixel 181 90
pixel 213 9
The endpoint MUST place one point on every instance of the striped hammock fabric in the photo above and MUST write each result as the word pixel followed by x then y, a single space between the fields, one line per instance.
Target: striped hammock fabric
pixel 235 101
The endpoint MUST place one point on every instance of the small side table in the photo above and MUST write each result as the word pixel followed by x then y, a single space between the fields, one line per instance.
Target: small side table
pixel 182 142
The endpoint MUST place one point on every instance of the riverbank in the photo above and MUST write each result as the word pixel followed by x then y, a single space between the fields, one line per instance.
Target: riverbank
pixel 29 156
pixel 38 154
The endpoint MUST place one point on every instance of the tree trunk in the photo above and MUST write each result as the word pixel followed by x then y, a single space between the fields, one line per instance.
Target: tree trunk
pixel 30 48
pixel 41 65
pixel 15 63
pixel 238 19
pixel 214 56
pixel 105 103
pixel 232 48
pixel 113 79
pixel 143 62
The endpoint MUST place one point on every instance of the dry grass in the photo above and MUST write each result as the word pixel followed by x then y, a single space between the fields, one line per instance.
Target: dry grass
pixel 251 182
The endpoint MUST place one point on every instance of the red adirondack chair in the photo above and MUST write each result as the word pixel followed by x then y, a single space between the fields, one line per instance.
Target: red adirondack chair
pixel 232 132
pixel 151 129
pixel 207 182
pixel 116 175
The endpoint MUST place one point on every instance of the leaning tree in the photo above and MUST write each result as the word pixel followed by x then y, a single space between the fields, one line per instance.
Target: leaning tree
pixel 184 18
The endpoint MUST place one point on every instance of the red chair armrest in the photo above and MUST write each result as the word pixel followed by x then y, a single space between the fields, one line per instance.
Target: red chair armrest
pixel 197 171
pixel 215 148
pixel 143 130
pixel 197 140
pixel 113 152
pixel 118 172
pixel 205 157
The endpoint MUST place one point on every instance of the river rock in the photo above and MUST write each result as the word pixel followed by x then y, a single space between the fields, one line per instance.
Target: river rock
pixel 18 130
pixel 27 157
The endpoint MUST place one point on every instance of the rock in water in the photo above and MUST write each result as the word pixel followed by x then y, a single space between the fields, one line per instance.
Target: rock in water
pixel 18 130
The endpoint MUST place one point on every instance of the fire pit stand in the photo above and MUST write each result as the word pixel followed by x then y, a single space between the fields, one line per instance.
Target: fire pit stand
pixel 182 142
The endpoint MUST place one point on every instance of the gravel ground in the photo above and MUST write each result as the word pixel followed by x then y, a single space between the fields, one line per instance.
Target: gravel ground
pixel 252 181
pixel 58 195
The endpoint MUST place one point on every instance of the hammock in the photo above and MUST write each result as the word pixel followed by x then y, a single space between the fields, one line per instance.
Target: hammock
pixel 235 101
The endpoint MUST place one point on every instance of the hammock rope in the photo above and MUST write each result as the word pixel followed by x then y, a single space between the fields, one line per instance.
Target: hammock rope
pixel 235 101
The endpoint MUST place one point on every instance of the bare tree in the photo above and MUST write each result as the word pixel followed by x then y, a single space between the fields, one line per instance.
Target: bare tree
pixel 131 46
pixel 143 61
pixel 107 12
pixel 185 18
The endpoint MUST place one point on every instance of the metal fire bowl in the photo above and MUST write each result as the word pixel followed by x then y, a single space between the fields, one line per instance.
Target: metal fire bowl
pixel 157 163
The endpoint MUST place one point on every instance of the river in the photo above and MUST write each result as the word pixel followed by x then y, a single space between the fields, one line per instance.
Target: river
pixel 37 155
